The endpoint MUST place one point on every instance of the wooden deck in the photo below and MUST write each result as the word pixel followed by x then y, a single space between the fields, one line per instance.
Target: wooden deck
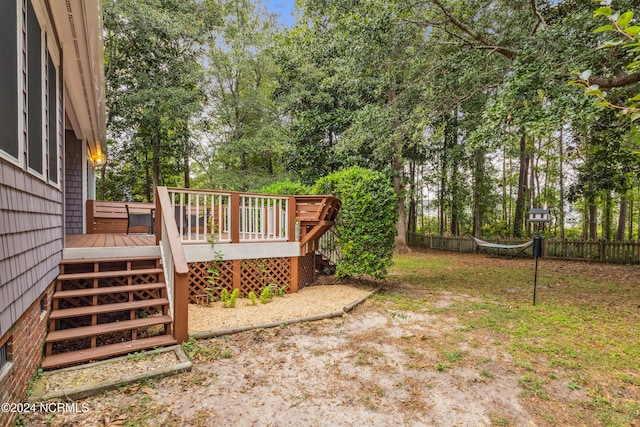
pixel 108 240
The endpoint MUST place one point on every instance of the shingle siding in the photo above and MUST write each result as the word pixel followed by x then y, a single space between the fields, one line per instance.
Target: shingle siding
pixel 30 240
pixel 73 185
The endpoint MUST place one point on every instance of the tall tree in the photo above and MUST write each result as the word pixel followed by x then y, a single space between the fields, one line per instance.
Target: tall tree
pixel 246 144
pixel 358 102
pixel 153 74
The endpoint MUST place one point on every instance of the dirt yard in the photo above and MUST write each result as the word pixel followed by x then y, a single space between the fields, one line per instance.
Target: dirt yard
pixel 391 361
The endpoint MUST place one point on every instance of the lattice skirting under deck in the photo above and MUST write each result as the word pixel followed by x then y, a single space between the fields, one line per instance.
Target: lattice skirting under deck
pixel 205 283
pixel 306 270
pixel 207 279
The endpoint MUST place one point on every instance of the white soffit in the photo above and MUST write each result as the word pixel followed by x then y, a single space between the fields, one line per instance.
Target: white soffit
pixel 79 27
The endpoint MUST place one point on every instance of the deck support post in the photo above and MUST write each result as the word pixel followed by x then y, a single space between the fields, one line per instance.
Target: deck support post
pixel 292 218
pixel 294 274
pixel 234 217
pixel 90 218
pixel 181 308
pixel 237 274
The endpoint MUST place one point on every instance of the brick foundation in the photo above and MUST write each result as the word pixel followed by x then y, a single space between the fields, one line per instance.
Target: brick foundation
pixel 27 338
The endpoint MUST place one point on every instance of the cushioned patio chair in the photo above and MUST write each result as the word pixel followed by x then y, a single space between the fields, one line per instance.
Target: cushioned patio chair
pixel 143 219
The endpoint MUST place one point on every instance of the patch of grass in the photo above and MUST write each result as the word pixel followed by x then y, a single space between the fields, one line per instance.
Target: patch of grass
pixel 442 367
pixel 205 350
pixel 583 327
pixel 532 384
pixel 486 374
pixel 140 355
pixel 299 399
pixel 453 356
pixel 573 385
pixel 365 356
pixel 399 302
pixel 499 421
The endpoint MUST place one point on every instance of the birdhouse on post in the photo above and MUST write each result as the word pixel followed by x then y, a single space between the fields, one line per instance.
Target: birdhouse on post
pixel 539 215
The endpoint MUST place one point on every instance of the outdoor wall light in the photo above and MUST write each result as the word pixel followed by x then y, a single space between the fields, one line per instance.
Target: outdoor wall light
pixel 98 160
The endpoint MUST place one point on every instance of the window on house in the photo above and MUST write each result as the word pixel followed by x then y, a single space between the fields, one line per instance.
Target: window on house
pixel 4 355
pixel 52 122
pixel 9 141
pixel 34 91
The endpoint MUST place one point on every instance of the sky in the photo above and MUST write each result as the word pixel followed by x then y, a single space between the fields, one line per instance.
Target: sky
pixel 282 8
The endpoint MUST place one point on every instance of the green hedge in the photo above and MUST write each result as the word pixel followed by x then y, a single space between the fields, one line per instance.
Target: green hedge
pixel 366 222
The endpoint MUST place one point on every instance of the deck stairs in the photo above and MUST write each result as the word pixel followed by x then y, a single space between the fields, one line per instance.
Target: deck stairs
pixel 315 216
pixel 107 307
pixel 324 265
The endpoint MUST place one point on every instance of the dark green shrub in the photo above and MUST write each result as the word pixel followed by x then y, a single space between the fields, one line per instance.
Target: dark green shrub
pixel 366 222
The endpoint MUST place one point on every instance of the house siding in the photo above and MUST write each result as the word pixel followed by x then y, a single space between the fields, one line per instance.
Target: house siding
pixel 31 241
pixel 73 162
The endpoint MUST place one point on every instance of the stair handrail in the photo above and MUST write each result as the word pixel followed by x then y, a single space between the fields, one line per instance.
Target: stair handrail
pixel 328 247
pixel 174 262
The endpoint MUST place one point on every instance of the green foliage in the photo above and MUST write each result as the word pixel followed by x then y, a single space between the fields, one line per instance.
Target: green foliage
pixel 214 272
pixel 253 298
pixel 366 222
pixel 626 34
pixel 224 296
pixel 154 89
pixel 229 299
pixel 285 188
pixel 266 295
pixel 246 140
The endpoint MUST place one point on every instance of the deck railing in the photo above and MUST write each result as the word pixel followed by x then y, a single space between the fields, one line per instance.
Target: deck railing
pixel 174 262
pixel 230 217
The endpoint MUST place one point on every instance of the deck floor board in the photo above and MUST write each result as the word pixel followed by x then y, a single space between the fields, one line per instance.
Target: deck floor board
pixel 108 240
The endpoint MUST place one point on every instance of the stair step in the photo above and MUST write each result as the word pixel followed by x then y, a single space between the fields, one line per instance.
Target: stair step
pixel 100 260
pixel 85 292
pixel 105 308
pixel 107 274
pixel 105 328
pixel 103 352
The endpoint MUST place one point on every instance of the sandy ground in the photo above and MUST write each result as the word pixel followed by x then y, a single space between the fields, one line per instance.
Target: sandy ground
pixel 309 301
pixel 372 367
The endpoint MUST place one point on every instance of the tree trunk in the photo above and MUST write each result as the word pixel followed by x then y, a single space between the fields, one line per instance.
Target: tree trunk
pixel 398 186
pixel 532 199
pixel 561 185
pixel 622 218
pixel 147 177
pixel 187 171
pixel 606 217
pixel 505 212
pixel 156 166
pixel 630 235
pixel 413 207
pixel 518 219
pixel 585 222
pixel 452 148
pixel 441 199
pixel 478 193
pixel 103 182
pixel 593 215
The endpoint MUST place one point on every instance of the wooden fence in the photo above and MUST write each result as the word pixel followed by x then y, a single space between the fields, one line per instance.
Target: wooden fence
pixel 583 250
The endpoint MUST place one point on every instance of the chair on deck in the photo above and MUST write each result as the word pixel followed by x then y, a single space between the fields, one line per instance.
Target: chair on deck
pixel 143 219
pixel 188 219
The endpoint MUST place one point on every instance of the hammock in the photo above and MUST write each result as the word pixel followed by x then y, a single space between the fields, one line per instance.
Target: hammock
pixel 513 250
